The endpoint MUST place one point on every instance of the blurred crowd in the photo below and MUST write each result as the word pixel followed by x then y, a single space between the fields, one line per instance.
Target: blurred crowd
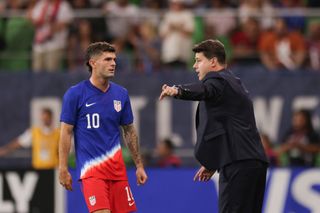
pixel 151 36
pixel 300 145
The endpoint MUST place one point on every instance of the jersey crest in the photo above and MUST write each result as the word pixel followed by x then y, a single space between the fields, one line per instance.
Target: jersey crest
pixel 117 105
pixel 92 200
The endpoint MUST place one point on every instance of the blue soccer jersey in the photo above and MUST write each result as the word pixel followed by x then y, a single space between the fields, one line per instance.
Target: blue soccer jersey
pixel 96 117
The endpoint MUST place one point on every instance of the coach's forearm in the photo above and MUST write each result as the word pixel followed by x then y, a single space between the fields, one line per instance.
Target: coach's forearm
pixel 193 92
pixel 64 146
pixel 131 139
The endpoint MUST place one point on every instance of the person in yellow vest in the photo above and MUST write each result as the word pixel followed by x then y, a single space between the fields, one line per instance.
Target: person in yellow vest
pixel 43 139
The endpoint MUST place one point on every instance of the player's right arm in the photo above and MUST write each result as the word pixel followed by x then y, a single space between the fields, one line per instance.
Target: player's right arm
pixel 66 132
pixel 68 118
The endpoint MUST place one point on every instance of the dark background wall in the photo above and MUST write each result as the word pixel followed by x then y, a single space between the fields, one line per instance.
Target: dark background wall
pixel 275 96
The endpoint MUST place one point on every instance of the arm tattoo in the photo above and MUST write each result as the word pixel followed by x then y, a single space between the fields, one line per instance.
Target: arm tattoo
pixel 131 140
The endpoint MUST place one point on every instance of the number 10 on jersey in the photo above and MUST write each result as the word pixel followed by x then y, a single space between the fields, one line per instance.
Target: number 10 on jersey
pixel 93 121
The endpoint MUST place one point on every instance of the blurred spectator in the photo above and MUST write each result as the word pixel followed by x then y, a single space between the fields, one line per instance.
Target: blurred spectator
pixel 201 4
pixel 176 30
pixel 165 154
pixel 96 3
pixel 296 20
pixel 96 22
pixel 301 142
pixel 191 3
pixel 29 7
pixel 245 42
pixel 151 12
pixel 270 151
pixel 313 42
pixel 147 47
pixel 43 139
pixel 216 27
pixel 222 21
pixel 80 4
pixel 79 39
pixel 154 4
pixel 121 19
pixel 281 48
pixel 2 5
pixel 51 19
pixel 121 22
pixel 124 57
pixel 260 9
pixel 17 37
pixel 234 3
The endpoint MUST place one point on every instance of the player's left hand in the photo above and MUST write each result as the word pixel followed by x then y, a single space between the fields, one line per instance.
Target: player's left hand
pixel 141 176
pixel 203 174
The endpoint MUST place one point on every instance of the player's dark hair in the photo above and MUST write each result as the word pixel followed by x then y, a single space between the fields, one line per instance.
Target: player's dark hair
pixel 97 48
pixel 211 48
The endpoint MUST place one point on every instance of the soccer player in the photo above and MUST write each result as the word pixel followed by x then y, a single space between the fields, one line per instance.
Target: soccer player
pixel 93 110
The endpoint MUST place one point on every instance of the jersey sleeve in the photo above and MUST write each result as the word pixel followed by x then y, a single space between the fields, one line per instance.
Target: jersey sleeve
pixel 126 116
pixel 69 107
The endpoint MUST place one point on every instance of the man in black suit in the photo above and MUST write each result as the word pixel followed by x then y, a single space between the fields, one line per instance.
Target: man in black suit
pixel 227 137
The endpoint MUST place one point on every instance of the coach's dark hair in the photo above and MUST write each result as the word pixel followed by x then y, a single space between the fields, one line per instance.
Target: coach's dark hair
pixel 97 48
pixel 211 48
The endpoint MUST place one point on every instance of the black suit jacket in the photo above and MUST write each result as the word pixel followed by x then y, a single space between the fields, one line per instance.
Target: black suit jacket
pixel 226 128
